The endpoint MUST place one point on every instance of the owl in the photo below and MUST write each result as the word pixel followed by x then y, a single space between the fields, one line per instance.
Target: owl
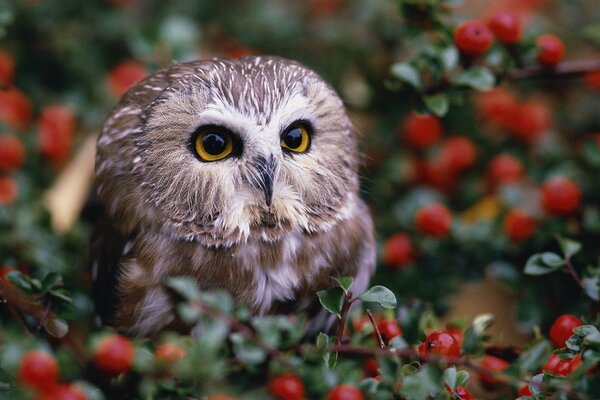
pixel 241 174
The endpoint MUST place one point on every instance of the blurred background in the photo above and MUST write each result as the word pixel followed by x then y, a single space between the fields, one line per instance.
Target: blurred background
pixel 65 63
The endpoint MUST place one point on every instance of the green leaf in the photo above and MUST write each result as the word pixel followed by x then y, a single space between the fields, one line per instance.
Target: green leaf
pixel 543 263
pixel 62 294
pixel 5 381
pixel 449 57
pixel 568 247
pixel 246 351
pixel 532 359
pixel 425 384
pixel 380 295
pixel 408 74
pixel 189 313
pixel 478 78
pixel 184 286
pixel 450 376
pixel 482 322
pixel 56 327
pixel 590 334
pixel 438 104
pixel 332 300
pixel 462 378
pixel 345 282
pixel 20 280
pixel 591 287
pixel 50 281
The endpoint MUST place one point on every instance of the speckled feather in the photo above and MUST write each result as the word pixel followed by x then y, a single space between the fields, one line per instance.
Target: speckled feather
pixel 169 214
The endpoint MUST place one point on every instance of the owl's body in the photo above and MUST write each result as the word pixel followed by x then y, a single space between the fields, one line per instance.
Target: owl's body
pixel 240 174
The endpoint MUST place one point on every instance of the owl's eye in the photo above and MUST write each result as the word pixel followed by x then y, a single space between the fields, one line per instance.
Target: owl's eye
pixel 296 138
pixel 212 144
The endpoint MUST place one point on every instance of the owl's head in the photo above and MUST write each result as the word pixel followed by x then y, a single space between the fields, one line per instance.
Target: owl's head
pixel 221 151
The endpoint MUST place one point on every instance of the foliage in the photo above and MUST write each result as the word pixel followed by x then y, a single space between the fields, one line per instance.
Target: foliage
pixel 500 142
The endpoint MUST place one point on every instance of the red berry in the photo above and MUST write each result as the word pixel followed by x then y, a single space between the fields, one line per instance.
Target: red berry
pixel 440 343
pixel 12 153
pixel 519 226
pixel 461 393
pixel 438 173
pixel 345 392
pixel 551 363
pixel 459 153
pixel 286 387
pixel 38 369
pixel 398 250
pixel 421 130
pixel 560 196
pixel 7 68
pixel 125 75
pixel 63 392
pixel 15 108
pixel 530 119
pixel 169 353
pixel 505 168
pixel 457 334
pixel 473 38
pixel 326 7
pixel 496 106
pixel 389 329
pixel 114 355
pixel 592 79
pixel 434 220
pixel 551 50
pixel 56 128
pixel 370 367
pixel 491 364
pixel 524 391
pixel 506 26
pixel 9 190
pixel 562 329
pixel 566 366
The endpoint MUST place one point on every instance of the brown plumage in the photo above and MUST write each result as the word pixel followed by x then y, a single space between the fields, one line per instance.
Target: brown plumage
pixel 271 220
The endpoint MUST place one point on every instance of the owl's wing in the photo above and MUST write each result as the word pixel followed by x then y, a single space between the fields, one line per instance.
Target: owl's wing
pixel 107 247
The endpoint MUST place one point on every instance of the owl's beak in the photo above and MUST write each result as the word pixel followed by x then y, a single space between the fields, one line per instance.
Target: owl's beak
pixel 266 170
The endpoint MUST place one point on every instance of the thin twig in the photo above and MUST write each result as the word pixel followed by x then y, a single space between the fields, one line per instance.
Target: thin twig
pixel 570 269
pixel 344 316
pixel 376 328
pixel 563 69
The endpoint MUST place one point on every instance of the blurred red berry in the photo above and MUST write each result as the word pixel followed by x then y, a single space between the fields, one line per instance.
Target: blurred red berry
pixel 15 108
pixel 562 329
pixel 326 7
pixel 125 75
pixel 12 153
pixel 434 220
pixel 63 392
pixel 398 250
pixel 530 119
pixel 492 364
pixel 496 106
pixel 505 168
pixel 551 50
pixel 114 355
pixel 56 128
pixel 560 196
pixel 7 68
pixel 370 367
pixel 461 393
pixel 389 329
pixel 592 79
pixel 506 27
pixel 345 392
pixel 473 38
pixel 436 172
pixel 286 387
pixel 459 153
pixel 440 343
pixel 421 130
pixel 566 366
pixel 519 226
pixel 169 353
pixel 9 190
pixel 524 391
pixel 38 370
pixel 4 271
pixel 457 334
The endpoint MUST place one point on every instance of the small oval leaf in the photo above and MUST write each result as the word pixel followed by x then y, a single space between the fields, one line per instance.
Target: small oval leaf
pixel 380 295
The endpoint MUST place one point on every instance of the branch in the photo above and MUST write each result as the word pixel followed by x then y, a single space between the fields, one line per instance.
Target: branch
pixel 561 70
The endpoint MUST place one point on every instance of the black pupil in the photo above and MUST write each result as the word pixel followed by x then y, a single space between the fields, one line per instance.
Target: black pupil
pixel 214 143
pixel 293 138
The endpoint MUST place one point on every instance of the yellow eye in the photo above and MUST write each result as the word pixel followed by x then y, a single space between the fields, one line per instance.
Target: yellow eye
pixel 296 138
pixel 213 144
